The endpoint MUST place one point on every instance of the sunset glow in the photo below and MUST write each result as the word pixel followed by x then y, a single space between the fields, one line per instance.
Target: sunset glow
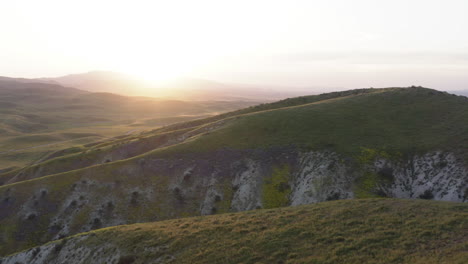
pixel 293 43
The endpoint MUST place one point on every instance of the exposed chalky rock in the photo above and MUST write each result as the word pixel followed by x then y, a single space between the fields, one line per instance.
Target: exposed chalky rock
pixel 247 187
pixel 436 175
pixel 321 176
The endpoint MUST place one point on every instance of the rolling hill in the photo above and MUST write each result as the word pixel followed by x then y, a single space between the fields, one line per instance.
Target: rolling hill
pixel 365 143
pixel 38 118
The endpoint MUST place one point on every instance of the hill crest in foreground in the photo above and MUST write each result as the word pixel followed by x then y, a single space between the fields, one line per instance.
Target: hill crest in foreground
pixel 348 231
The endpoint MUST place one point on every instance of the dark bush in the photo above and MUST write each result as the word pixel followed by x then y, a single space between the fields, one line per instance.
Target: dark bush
pixel 126 260
pixel 58 247
pixel 334 196
pixel 283 186
pixel 386 174
pixel 96 223
pixel 214 210
pixel 427 195
pixel 442 164
pixel 134 198
pixel 178 195
pixel 31 216
pixel 35 252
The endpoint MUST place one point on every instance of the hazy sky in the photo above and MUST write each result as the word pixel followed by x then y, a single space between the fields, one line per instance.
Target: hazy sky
pixel 331 43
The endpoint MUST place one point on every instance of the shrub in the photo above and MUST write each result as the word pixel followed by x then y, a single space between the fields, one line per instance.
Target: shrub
pixel 428 195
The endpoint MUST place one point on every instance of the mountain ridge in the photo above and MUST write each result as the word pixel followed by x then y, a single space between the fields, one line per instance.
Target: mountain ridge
pixel 193 89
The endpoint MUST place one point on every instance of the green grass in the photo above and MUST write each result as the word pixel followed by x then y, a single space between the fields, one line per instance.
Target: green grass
pixel 301 100
pixel 398 121
pixel 276 189
pixel 80 156
pixel 33 114
pixel 348 231
pixel 392 123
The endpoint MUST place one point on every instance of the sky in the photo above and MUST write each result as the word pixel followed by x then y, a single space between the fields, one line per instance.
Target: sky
pixel 329 43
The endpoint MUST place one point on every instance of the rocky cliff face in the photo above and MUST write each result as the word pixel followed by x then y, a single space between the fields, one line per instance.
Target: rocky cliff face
pixel 435 175
pixel 79 250
pixel 154 188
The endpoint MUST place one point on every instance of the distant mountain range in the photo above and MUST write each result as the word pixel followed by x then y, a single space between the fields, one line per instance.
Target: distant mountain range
pixel 181 88
pixel 460 92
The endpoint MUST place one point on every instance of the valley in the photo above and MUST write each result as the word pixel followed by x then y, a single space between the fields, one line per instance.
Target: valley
pixel 37 119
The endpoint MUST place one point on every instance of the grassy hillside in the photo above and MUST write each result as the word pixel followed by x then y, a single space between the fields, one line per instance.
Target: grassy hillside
pixel 349 231
pixel 99 152
pixel 151 140
pixel 169 173
pixel 395 120
pixel 296 101
pixel 39 118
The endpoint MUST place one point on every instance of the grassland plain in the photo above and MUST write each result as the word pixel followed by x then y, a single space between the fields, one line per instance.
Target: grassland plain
pixel 254 153
pixel 347 231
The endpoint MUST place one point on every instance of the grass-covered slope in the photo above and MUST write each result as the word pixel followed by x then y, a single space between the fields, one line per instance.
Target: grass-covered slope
pixel 37 119
pixel 95 154
pixel 404 120
pixel 295 101
pixel 250 160
pixel 349 231
pixel 398 121
pixel 78 157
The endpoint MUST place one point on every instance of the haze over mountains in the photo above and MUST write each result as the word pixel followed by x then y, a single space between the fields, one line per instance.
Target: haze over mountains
pixel 184 88
pixel 460 92
pixel 180 88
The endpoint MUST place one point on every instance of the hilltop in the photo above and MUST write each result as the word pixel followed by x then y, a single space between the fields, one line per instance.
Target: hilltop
pixel 392 231
pixel 394 142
